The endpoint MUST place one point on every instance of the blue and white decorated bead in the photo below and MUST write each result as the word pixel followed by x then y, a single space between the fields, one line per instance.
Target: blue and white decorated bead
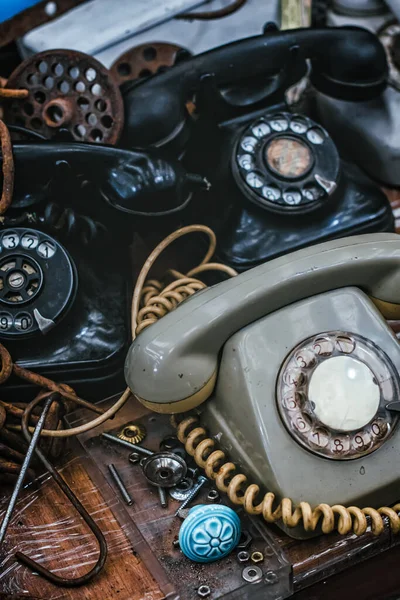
pixel 209 532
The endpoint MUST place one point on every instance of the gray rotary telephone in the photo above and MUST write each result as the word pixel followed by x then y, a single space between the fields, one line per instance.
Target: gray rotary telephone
pixel 302 372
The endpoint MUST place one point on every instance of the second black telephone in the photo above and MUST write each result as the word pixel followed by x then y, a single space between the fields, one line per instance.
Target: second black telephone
pixel 277 181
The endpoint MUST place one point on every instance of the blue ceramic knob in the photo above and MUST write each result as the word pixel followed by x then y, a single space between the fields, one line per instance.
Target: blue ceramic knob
pixel 209 533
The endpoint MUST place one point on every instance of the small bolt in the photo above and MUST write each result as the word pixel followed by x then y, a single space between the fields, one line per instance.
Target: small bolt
pixel 204 591
pixel 257 557
pixel 175 543
pixel 162 494
pixel 243 556
pixel 135 458
pixel 200 482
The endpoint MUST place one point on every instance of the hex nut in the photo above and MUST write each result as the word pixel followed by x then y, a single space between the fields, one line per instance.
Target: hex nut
pixel 213 496
pixel 134 458
pixel 245 540
pixel 257 557
pixel 204 591
pixel 243 556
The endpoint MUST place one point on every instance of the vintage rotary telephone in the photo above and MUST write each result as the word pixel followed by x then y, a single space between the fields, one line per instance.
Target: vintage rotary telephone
pixel 278 183
pixel 301 373
pixel 368 132
pixel 65 275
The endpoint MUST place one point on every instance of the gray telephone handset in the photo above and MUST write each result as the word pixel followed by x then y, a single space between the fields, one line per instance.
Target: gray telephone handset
pixel 301 365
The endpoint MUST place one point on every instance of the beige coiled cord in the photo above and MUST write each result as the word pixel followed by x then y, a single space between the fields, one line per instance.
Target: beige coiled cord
pixel 157 300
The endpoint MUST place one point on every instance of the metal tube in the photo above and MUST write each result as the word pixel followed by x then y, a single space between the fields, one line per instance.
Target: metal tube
pixel 116 440
pixel 24 468
pixel 120 485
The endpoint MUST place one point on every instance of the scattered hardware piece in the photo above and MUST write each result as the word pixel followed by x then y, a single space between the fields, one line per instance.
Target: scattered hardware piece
pixel 245 540
pixel 120 485
pixel 170 443
pixel 32 564
pixel 271 578
pixel 243 556
pixel 196 489
pixel 175 543
pixel 138 449
pixel 257 557
pixel 24 468
pixel 252 574
pixel 164 469
pixel 147 59
pixel 209 533
pixel 182 490
pixel 162 494
pixel 204 591
pixel 213 496
pixel 134 458
pixel 69 90
pixel 183 513
pixel 133 432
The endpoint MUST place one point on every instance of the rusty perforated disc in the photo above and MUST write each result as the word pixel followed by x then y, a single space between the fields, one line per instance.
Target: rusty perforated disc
pixel 147 59
pixel 69 90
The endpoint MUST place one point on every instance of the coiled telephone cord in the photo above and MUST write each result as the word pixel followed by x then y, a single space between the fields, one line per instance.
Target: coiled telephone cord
pixel 350 520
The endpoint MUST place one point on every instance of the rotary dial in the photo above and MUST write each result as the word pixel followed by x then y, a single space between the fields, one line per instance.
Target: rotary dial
pixel 286 162
pixel 332 393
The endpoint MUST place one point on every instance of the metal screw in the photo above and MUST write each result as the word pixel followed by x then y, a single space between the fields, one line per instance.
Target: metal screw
pixel 204 591
pixel 175 544
pixel 162 494
pixel 200 482
pixel 120 485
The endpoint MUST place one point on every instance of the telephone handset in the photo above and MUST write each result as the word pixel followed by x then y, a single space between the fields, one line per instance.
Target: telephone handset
pixel 348 66
pixel 300 363
pixel 64 256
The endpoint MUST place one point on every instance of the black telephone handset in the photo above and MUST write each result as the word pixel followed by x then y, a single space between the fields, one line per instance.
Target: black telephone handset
pixel 347 63
pixel 65 282
pixel 277 181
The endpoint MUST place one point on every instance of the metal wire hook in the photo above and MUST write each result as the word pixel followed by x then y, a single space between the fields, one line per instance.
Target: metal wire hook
pixel 55 579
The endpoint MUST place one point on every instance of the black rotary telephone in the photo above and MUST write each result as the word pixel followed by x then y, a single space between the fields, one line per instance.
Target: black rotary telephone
pixel 65 274
pixel 278 183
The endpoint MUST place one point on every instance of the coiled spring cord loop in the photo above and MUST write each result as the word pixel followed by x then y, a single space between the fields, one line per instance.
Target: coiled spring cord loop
pixel 343 519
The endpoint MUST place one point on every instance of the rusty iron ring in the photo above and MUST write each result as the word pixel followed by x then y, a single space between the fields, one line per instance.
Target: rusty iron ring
pixel 8 170
pixel 68 90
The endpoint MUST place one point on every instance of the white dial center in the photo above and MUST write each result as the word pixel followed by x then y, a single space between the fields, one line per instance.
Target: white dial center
pixel 344 393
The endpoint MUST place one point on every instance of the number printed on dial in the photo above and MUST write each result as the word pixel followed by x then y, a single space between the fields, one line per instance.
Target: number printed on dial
pixel 10 241
pixel 29 241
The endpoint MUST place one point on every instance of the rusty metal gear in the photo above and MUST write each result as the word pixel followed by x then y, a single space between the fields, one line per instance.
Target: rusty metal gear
pixel 69 90
pixel 147 59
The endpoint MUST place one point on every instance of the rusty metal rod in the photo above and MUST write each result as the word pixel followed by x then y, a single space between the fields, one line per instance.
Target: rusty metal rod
pixel 24 468
pixel 95 529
